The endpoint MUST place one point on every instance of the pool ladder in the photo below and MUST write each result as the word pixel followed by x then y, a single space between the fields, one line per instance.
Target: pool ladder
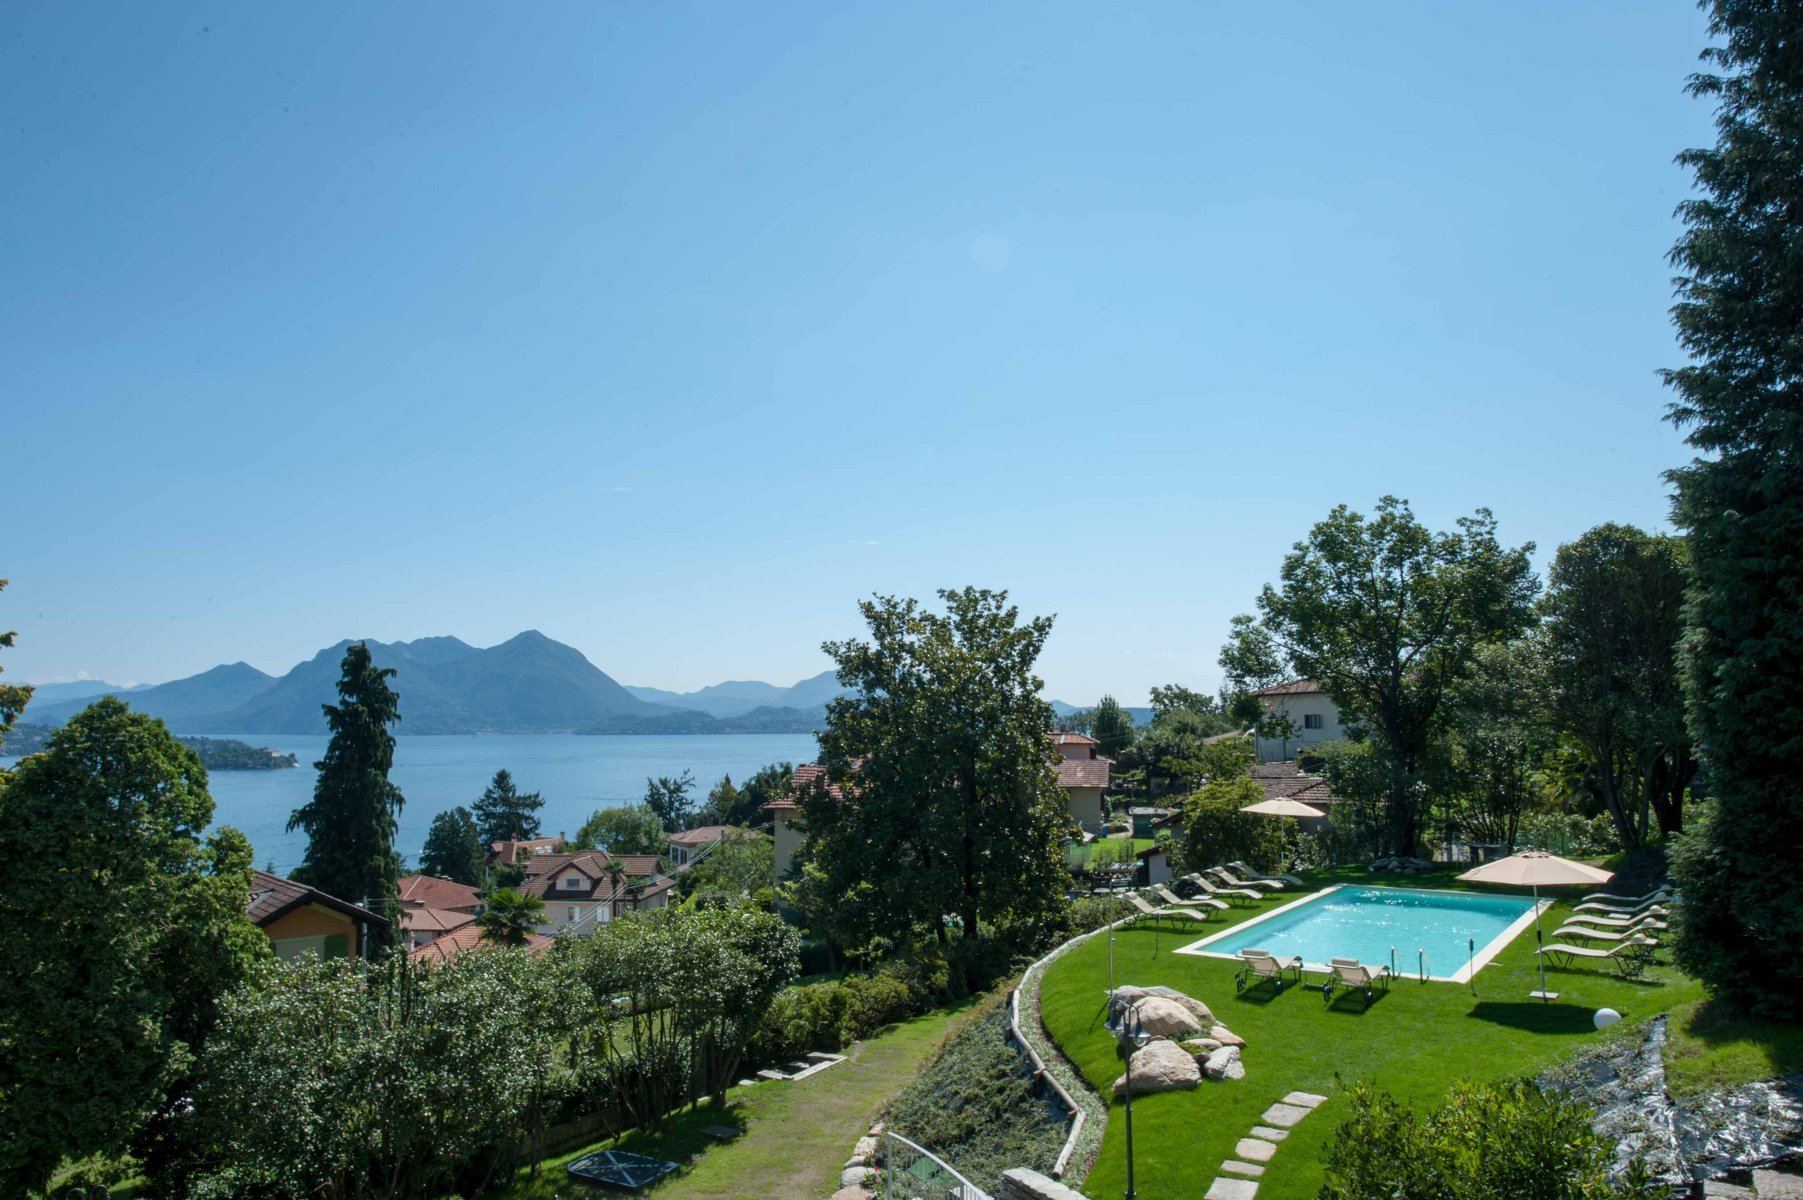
pixel 1420 964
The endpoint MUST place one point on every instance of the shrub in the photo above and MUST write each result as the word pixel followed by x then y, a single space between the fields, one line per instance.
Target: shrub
pixel 1499 1141
pixel 1216 831
pixel 873 1001
pixel 1568 833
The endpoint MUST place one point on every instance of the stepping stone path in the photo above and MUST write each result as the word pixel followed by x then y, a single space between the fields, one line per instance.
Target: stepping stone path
pixel 1240 1174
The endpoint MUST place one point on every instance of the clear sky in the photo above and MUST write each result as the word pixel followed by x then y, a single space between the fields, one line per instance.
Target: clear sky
pixel 673 331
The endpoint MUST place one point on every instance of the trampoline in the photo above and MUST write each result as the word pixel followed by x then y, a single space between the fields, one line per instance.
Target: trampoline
pixel 619 1169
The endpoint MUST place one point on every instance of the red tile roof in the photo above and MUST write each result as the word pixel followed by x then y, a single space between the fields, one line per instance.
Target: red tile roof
pixel 807 777
pixel 542 871
pixel 470 937
pixel 1295 687
pixel 271 896
pixel 506 852
pixel 1073 739
pixel 429 891
pixel 704 835
pixel 414 919
pixel 1286 781
pixel 1082 772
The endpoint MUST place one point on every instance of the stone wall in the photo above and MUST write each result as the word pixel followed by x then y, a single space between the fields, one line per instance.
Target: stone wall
pixel 1022 1184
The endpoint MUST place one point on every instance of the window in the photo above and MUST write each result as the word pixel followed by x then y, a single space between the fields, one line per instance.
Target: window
pixel 572 917
pixel 570 883
pixel 1311 720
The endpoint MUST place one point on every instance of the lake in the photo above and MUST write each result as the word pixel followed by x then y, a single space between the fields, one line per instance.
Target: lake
pixel 577 774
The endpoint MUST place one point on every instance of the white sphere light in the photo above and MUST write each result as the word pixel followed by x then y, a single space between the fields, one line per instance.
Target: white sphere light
pixel 1606 1017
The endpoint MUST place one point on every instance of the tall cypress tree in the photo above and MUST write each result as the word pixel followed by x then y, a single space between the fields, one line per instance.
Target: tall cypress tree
pixel 350 821
pixel 504 813
pixel 1738 315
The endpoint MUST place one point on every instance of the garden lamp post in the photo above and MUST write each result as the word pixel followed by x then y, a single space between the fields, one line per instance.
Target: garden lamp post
pixel 1130 1029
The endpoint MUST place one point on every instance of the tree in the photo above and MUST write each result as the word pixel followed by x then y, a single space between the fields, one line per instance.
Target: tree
pixel 1613 618
pixel 350 821
pixel 771 782
pixel 506 814
pixel 508 916
pixel 669 798
pixel 1112 728
pixel 1386 615
pixel 1740 303
pixel 123 930
pixel 736 868
pixel 1215 831
pixel 1494 743
pixel 628 829
pixel 1250 660
pixel 952 806
pixel 1171 753
pixel 13 697
pixel 453 848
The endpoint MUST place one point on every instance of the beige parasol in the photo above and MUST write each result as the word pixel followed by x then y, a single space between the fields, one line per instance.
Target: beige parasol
pixel 1284 808
pixel 1537 868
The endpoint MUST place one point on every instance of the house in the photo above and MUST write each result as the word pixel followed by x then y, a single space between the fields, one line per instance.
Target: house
pixel 299 919
pixel 1288 781
pixel 1084 776
pixel 432 907
pixel 688 846
pixel 1313 716
pixel 785 812
pixel 1155 865
pixel 512 851
pixel 589 888
pixel 462 941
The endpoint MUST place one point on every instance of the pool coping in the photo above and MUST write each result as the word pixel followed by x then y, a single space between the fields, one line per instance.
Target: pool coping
pixel 1463 975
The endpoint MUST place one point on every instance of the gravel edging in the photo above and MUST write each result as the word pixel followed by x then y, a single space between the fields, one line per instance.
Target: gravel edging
pixel 1089 1110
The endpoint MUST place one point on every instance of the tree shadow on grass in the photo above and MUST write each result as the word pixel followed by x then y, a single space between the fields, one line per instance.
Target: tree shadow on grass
pixel 1535 1016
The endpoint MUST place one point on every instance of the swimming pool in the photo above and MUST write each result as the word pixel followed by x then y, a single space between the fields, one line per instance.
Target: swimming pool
pixel 1458 931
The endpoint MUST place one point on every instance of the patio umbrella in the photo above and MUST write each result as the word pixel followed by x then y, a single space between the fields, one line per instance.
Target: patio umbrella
pixel 1533 868
pixel 1284 808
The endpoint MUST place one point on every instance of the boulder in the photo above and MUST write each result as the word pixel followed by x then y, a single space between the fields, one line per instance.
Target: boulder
pixel 1225 1063
pixel 856 1177
pixel 1201 1047
pixel 1226 1036
pixel 851 1193
pixel 1164 1018
pixel 1203 1013
pixel 864 1153
pixel 1160 1066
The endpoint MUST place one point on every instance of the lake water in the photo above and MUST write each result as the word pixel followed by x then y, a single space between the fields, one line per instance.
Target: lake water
pixel 577 774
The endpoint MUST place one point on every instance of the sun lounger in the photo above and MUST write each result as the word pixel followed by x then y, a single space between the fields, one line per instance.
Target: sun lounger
pixel 1260 964
pixel 1620 910
pixel 1223 892
pixel 1227 877
pixel 1618 920
pixel 1245 872
pixel 1586 933
pixel 1146 910
pixel 1567 955
pixel 1611 898
pixel 1351 975
pixel 1170 897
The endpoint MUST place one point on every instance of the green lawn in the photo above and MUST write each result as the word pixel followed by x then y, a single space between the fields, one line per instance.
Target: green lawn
pixel 1078 858
pixel 1707 1049
pixel 1413 1041
pixel 797 1135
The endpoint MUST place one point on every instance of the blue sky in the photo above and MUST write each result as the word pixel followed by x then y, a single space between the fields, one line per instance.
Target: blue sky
pixel 673 331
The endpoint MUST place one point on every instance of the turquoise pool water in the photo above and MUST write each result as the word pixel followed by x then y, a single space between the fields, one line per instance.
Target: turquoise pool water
pixel 1460 931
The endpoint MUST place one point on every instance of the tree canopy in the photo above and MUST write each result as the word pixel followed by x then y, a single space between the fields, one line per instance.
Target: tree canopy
pixel 350 821
pixel 1386 615
pixel 504 813
pixel 1112 728
pixel 669 797
pixel 123 930
pixel 1739 306
pixel 951 806
pixel 454 848
pixel 626 829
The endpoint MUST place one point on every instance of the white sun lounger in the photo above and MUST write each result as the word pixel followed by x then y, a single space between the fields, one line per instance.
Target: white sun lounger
pixel 1228 877
pixel 1349 974
pixel 1261 964
pixel 1245 872
pixel 1230 893
pixel 1170 897
pixel 1586 933
pixel 1567 955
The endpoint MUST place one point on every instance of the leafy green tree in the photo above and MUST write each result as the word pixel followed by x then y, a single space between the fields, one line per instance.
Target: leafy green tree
pixel 1495 738
pixel 13 697
pixel 737 868
pixel 1112 728
pixel 1080 721
pixel 123 930
pixel 953 807
pixel 1385 615
pixel 453 848
pixel 1250 659
pixel 508 916
pixel 1171 753
pixel 1215 831
pixel 350 821
pixel 1174 697
pixel 769 783
pixel 628 829
pixel 1613 614
pixel 722 800
pixel 504 813
pixel 1226 757
pixel 669 798
pixel 1740 304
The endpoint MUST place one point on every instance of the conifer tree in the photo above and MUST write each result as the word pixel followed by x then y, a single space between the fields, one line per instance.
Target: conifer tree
pixel 504 813
pixel 350 821
pixel 453 848
pixel 1740 399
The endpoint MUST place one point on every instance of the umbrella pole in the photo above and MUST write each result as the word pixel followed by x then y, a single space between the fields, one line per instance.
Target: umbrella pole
pixel 1546 997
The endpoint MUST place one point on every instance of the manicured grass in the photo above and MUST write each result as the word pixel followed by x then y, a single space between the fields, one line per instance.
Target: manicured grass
pixel 1707 1048
pixel 1413 1041
pixel 1078 858
pixel 797 1135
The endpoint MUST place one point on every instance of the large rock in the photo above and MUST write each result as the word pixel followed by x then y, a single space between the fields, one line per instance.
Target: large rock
pixel 1203 1013
pixel 1225 1064
pixel 1201 1047
pixel 1161 1066
pixel 1226 1036
pixel 1159 1017
pixel 856 1177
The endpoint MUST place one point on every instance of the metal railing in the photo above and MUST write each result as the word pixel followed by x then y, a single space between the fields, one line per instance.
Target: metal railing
pixel 912 1172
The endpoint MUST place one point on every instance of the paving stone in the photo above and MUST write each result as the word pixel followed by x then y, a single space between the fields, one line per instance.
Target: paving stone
pixel 1249 1170
pixel 1254 1150
pixel 1269 1134
pixel 1305 1099
pixel 1224 1188
pixel 1284 1115
pixel 1778 1185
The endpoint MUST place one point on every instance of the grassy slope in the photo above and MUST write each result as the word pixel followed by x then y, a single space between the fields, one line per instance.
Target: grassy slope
pixel 797 1135
pixel 1707 1049
pixel 1413 1042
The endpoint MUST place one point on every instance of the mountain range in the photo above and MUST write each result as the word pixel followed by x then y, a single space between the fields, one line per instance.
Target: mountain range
pixel 527 684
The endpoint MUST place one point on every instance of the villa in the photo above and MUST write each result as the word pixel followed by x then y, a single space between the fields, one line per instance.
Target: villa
pixel 1084 775
pixel 584 890
pixel 1314 718
pixel 298 919
pixel 432 908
